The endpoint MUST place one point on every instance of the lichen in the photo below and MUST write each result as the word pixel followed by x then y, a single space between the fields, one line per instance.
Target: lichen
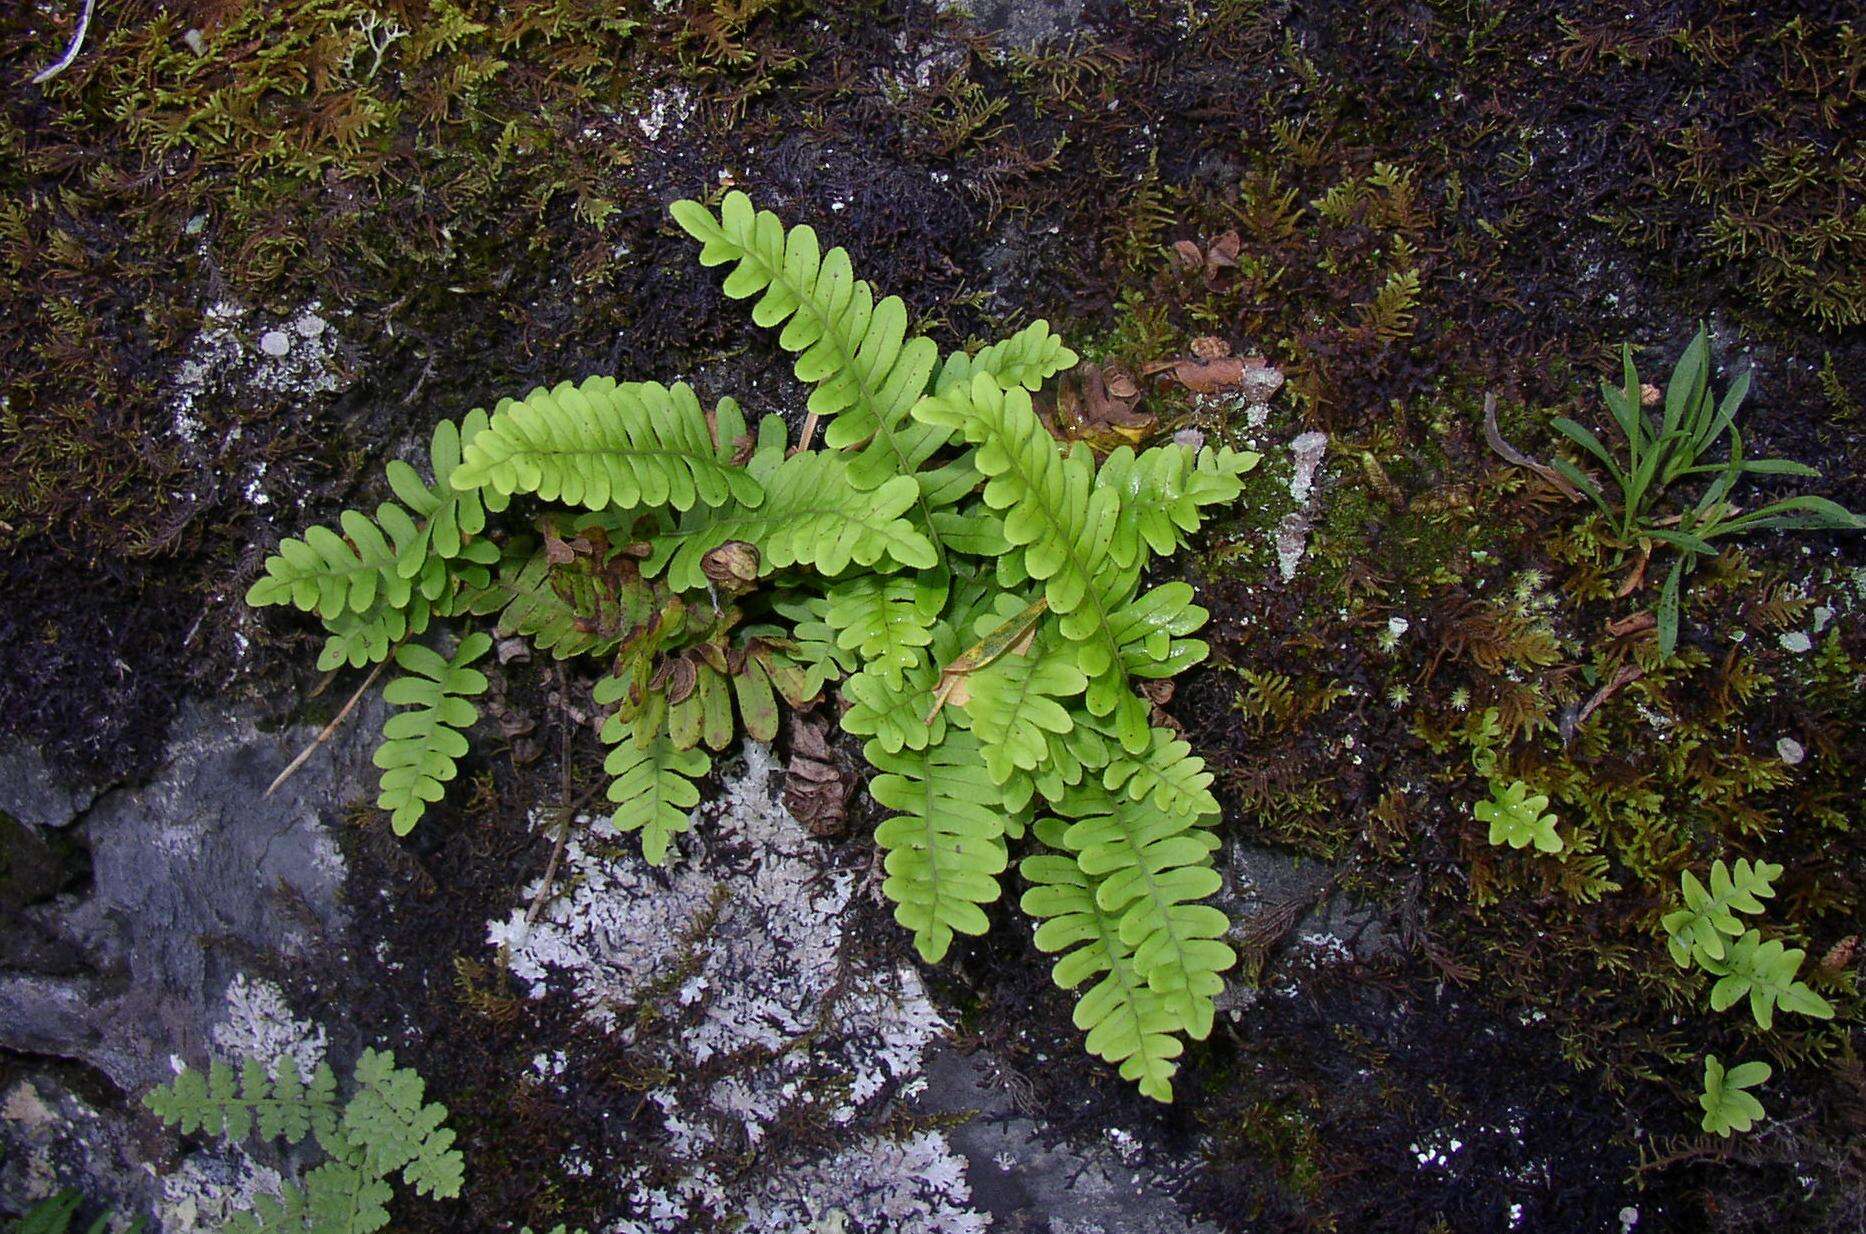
pixel 777 1017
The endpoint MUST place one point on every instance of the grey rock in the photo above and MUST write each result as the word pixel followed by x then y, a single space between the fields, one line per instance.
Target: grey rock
pixel 1028 24
pixel 30 793
pixel 51 1137
pixel 193 876
pixel 1032 1181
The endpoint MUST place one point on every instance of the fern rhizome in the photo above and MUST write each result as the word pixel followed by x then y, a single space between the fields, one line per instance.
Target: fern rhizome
pixel 972 589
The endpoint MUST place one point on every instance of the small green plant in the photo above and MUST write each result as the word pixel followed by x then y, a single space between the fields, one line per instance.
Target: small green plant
pixel 382 1129
pixel 1697 931
pixel 1727 1107
pixel 1516 817
pixel 972 589
pixel 1663 452
pixel 54 1215
pixel 1764 970
pixel 1514 813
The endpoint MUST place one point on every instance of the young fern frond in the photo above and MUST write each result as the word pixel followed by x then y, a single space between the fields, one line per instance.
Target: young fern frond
pixel 652 787
pixel 945 845
pixel 1028 358
pixel 607 445
pixel 420 746
pixel 1699 929
pixel 1128 1022
pixel 1168 777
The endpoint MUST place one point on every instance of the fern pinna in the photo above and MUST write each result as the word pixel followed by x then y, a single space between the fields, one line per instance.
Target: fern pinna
pixel 972 591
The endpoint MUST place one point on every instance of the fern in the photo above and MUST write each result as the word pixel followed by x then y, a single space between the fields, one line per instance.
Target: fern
pixel 381 580
pixel 54 1215
pixel 546 604
pixel 1066 526
pixel 652 787
pixel 881 619
pixel 1764 972
pixel 852 347
pixel 1028 358
pixel 1151 869
pixel 810 515
pixel 384 1128
pixel 1516 817
pixel 420 746
pixel 971 590
pixel 1727 1107
pixel 945 846
pixel 603 445
pixel 1697 930
pixel 1128 1022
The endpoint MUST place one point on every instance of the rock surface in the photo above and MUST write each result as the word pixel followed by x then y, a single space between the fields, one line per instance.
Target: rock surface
pixel 782 1016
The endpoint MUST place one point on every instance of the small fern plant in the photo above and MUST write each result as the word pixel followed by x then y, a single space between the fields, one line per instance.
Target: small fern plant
pixel 972 591
pixel 383 1129
pixel 1726 1104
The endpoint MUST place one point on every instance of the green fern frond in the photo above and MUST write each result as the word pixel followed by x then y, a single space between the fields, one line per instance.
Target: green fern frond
pixel 853 348
pixel 1014 709
pixel 450 518
pixel 608 445
pixel 1151 868
pixel 384 1127
pixel 945 843
pixel 1169 778
pixel 1073 757
pixel 882 618
pixel 54 1215
pixel 895 716
pixel 652 787
pixel 1162 490
pixel 1065 526
pixel 420 746
pixel 812 639
pixel 331 574
pixel 1764 972
pixel 357 639
pixel 1128 1022
pixel 356 582
pixel 1727 1107
pixel 232 1104
pixel 1699 928
pixel 389 1121
pixel 812 515
pixel 1028 358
